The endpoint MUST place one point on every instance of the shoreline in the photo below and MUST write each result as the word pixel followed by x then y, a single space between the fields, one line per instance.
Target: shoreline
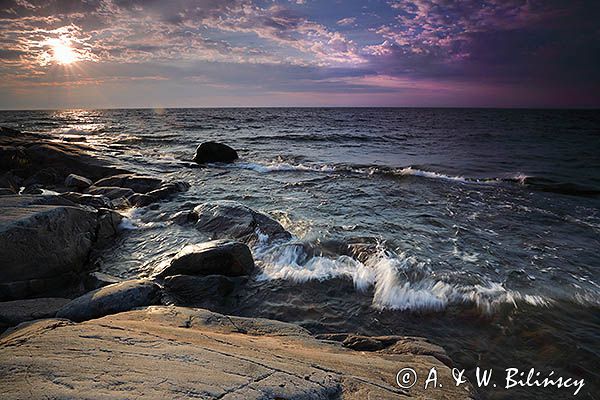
pixel 90 221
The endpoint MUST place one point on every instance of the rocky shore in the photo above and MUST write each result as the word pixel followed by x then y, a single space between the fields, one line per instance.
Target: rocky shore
pixel 73 332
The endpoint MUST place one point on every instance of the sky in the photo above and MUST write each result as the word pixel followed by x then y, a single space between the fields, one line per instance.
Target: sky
pixel 237 53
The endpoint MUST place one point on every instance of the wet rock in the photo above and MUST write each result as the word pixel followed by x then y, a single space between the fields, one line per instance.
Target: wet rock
pixel 218 257
pixel 210 152
pixel 77 182
pixel 184 217
pixel 111 192
pixel 165 191
pixel 96 280
pixel 96 201
pixel 41 244
pixel 137 183
pixel 108 226
pixel 111 299
pixel 30 153
pixel 229 219
pixel 201 354
pixel 14 312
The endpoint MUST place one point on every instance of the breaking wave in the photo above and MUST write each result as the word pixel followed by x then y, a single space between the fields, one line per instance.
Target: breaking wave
pixel 398 281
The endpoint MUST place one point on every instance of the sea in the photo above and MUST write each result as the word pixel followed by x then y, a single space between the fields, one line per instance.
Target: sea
pixel 478 229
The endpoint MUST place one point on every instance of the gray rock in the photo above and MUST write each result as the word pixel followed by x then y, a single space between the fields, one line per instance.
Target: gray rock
pixel 77 181
pixel 211 152
pixel 137 183
pixel 14 312
pixel 96 201
pixel 218 257
pixel 111 192
pixel 108 226
pixel 111 299
pixel 46 242
pixel 42 244
pixel 184 217
pixel 230 219
pixel 173 352
pixel 165 191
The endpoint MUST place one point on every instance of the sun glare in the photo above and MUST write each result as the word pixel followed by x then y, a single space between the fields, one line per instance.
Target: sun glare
pixel 62 52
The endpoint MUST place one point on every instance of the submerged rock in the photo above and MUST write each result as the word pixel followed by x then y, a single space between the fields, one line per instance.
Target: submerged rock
pixel 165 191
pixel 137 183
pixel 91 200
pixel 229 219
pixel 111 299
pixel 210 152
pixel 77 181
pixel 218 257
pixel 96 280
pixel 12 313
pixel 170 352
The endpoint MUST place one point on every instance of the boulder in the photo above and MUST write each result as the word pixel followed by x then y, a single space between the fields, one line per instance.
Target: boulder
pixel 229 219
pixel 211 152
pixel 111 299
pixel 172 352
pixel 218 257
pixel 77 182
pixel 111 192
pixel 14 312
pixel 42 243
pixel 46 241
pixel 137 183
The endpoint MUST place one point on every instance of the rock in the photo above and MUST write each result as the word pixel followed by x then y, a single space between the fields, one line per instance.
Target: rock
pixel 46 241
pixel 210 152
pixel 165 191
pixel 108 226
pixel 14 312
pixel 229 219
pixel 137 183
pixel 30 153
pixel 111 299
pixel 218 257
pixel 96 280
pixel 171 352
pixel 110 192
pixel 77 181
pixel 42 245
pixel 210 291
pixel 96 201
pixel 184 217
pixel 390 345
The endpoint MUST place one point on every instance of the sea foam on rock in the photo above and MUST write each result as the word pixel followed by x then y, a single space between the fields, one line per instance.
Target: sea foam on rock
pixel 217 257
pixel 111 299
pixel 230 219
pixel 211 152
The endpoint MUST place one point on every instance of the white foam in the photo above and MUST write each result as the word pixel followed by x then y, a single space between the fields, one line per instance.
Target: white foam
pixel 399 281
pixel 428 174
pixel 278 167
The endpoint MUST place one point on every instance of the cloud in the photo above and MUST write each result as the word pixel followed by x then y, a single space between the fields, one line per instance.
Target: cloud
pixel 346 21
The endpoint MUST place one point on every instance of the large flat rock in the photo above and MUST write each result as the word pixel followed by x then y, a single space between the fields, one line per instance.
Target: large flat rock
pixel 170 352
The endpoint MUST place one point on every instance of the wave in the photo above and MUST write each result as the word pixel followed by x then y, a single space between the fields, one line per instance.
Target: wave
pixel 398 281
pixel 532 182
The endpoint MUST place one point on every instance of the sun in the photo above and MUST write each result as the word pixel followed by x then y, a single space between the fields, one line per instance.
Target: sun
pixel 62 52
